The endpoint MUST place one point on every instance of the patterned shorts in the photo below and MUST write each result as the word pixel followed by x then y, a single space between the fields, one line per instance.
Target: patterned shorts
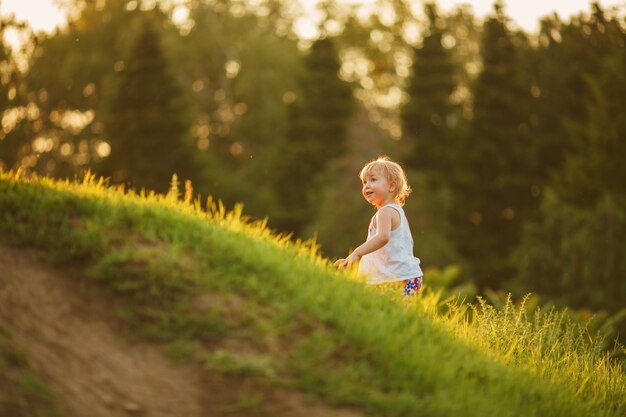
pixel 409 287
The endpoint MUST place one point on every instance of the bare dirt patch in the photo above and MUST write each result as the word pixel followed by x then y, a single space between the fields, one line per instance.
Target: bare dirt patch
pixel 73 341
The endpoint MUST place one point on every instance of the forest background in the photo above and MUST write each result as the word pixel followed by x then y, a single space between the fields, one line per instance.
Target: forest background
pixel 513 142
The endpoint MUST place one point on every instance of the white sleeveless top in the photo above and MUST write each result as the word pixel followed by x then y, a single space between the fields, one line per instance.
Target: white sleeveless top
pixel 395 260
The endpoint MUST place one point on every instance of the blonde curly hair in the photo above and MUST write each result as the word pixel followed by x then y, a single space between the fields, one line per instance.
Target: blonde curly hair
pixel 393 173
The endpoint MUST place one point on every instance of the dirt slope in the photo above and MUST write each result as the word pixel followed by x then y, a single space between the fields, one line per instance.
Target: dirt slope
pixel 71 339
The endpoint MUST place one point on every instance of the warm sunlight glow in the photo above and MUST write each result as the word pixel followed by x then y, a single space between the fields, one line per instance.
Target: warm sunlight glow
pixel 103 149
pixel 40 14
pixel 525 13
pixel 45 15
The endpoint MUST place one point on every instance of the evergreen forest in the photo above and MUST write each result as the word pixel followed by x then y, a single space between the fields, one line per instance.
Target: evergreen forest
pixel 512 141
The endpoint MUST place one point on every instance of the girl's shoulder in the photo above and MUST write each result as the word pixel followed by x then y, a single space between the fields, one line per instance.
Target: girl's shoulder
pixel 392 209
pixel 391 212
pixel 389 209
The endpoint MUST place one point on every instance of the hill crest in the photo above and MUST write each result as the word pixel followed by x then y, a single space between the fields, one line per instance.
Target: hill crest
pixel 230 299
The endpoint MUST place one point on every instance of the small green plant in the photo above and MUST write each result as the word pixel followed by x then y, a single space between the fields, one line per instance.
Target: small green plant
pixel 238 364
pixel 246 401
pixel 33 384
pixel 181 351
pixel 22 391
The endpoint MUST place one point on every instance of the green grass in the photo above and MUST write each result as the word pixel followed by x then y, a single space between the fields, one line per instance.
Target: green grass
pixel 22 392
pixel 228 294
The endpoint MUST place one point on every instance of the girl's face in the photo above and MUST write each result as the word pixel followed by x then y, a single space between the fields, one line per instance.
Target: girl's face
pixel 377 190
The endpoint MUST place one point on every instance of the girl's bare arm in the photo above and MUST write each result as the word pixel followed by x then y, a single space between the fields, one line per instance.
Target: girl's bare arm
pixel 383 234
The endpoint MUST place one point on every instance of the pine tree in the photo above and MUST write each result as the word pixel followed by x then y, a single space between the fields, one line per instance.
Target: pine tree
pixel 8 153
pixel 492 190
pixel 148 126
pixel 95 39
pixel 566 58
pixel 316 135
pixel 574 252
pixel 429 117
pixel 5 67
pixel 16 136
pixel 590 124
pixel 241 114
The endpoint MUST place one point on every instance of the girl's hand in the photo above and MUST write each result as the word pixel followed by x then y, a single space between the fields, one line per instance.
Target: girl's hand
pixel 347 262
pixel 384 222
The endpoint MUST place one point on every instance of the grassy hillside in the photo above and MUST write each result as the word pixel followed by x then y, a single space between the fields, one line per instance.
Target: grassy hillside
pixel 225 294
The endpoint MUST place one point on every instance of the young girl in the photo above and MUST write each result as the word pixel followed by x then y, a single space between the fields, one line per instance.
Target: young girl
pixel 387 254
